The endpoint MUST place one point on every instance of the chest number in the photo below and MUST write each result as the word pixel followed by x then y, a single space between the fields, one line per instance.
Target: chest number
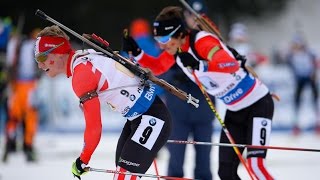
pixel 125 93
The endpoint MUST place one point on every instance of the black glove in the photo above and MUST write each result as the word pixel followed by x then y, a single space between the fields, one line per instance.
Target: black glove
pixel 241 58
pixel 129 44
pixel 189 61
pixel 77 168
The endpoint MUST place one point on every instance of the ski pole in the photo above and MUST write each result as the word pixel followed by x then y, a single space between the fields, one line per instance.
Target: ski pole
pixel 156 167
pixel 135 174
pixel 243 146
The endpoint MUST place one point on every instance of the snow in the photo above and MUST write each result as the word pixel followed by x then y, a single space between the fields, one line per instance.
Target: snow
pixel 57 151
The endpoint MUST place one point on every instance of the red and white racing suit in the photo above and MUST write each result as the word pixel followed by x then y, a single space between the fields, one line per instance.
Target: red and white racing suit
pixel 123 92
pixel 221 75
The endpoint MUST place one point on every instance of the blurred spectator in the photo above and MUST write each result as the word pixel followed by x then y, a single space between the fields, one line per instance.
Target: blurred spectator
pixel 302 61
pixel 3 94
pixel 197 123
pixel 239 40
pixel 23 97
pixel 140 30
pixel 5 28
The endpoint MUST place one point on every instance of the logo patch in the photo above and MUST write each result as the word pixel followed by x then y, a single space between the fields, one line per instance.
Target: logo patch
pixel 228 64
pixel 129 163
pixel 233 96
pixel 149 94
pixel 168 28
pixel 152 121
pixel 49 45
pixel 264 123
pixel 213 84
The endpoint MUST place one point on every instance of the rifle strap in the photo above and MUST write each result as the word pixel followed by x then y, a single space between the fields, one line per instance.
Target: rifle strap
pixel 87 96
pixel 192 39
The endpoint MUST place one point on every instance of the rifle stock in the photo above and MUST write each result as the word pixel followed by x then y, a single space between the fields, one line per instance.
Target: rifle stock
pixel 174 90
pixel 167 86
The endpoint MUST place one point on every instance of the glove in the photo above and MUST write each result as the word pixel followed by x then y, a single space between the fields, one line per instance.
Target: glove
pixel 189 61
pixel 129 44
pixel 77 168
pixel 241 58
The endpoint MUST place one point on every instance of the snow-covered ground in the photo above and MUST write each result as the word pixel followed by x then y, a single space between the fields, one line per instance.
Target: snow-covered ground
pixel 58 150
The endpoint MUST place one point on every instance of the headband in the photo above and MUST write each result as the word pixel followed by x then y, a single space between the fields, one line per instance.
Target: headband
pixel 165 27
pixel 45 43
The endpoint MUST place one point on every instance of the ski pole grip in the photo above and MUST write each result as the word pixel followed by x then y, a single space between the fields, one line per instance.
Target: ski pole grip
pixel 41 14
pixel 87 169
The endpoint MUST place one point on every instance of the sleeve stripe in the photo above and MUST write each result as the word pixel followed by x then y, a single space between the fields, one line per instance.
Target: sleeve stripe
pixel 212 52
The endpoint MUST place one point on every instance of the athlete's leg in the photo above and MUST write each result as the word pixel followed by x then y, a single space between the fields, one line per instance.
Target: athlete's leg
pixel 124 176
pixel 203 133
pixel 257 165
pixel 259 134
pixel 297 101
pixel 31 123
pixel 15 112
pixel 299 87
pixel 177 151
pixel 256 157
pixel 314 88
pixel 149 133
pixel 126 131
pixel 182 128
pixel 228 159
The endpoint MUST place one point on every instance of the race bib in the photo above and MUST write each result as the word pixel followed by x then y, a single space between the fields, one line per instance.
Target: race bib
pixel 148 131
pixel 261 131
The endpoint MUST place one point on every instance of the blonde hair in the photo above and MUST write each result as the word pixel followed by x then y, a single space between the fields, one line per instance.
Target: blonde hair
pixel 53 31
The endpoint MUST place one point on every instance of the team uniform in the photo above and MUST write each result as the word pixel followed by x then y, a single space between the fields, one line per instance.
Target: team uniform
pixel 248 101
pixel 97 80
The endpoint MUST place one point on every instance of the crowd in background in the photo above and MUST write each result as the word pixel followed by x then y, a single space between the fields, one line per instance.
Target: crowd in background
pixel 19 104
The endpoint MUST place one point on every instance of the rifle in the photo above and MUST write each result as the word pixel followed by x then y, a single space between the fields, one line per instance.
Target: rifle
pixel 102 45
pixel 206 24
pixel 203 21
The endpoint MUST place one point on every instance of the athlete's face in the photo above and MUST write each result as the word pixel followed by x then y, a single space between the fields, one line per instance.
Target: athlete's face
pixel 53 65
pixel 171 46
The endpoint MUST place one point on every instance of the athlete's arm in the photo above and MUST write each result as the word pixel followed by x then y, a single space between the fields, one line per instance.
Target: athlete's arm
pixel 85 80
pixel 158 65
pixel 219 60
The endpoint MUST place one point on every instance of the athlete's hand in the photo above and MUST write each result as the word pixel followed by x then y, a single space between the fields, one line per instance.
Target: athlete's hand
pixel 129 45
pixel 189 61
pixel 77 168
